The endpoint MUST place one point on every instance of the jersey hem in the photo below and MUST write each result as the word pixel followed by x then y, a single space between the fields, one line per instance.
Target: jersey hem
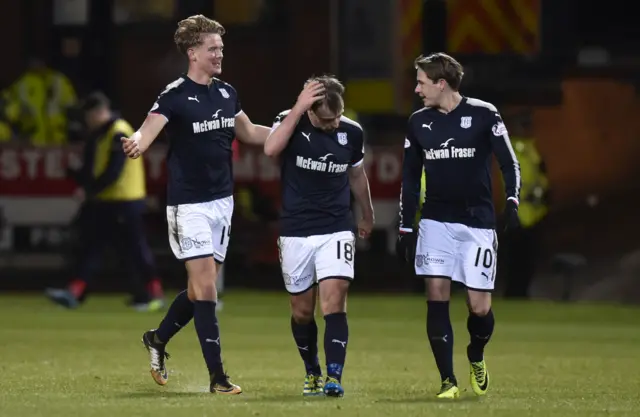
pixel 179 202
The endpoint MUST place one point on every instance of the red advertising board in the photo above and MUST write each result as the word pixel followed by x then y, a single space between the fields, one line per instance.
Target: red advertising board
pixel 41 172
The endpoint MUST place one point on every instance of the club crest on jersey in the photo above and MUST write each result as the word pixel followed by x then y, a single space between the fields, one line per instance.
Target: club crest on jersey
pixel 342 138
pixel 465 122
pixel 224 92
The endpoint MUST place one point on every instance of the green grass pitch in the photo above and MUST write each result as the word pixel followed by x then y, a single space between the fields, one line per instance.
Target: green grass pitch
pixel 545 359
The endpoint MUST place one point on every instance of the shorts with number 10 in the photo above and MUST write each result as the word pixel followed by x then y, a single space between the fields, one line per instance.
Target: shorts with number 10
pixel 306 261
pixel 465 254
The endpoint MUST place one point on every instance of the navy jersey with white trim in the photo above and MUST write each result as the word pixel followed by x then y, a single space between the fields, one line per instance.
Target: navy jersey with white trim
pixel 455 150
pixel 201 129
pixel 316 195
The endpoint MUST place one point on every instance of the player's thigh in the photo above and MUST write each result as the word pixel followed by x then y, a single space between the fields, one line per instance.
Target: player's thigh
pixel 477 259
pixel 435 258
pixel 220 214
pixel 335 260
pixel 202 277
pixel 189 231
pixel 335 255
pixel 297 256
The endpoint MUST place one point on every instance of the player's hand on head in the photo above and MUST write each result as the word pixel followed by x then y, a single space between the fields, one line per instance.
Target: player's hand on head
pixel 406 246
pixel 131 147
pixel 312 92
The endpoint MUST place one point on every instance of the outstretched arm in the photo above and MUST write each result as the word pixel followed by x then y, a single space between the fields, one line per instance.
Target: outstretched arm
pixel 249 132
pixel 140 141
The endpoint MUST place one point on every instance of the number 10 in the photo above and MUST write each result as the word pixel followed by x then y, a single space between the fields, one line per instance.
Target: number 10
pixel 487 258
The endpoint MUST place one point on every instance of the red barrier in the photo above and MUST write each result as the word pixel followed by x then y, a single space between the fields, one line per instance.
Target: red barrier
pixel 41 172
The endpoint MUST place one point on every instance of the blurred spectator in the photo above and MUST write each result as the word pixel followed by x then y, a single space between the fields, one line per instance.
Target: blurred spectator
pixel 113 192
pixel 9 115
pixel 521 246
pixel 39 101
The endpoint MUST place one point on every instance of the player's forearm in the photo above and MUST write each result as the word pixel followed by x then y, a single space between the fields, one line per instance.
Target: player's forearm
pixel 280 136
pixel 255 135
pixel 360 187
pixel 509 165
pixel 148 133
pixel 511 176
pixel 409 196
pixel 510 168
pixel 408 207
pixel 410 191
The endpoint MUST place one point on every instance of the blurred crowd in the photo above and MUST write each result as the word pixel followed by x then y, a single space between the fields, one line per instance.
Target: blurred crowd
pixel 38 107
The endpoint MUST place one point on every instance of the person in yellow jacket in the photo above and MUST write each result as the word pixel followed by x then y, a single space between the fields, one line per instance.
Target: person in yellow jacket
pixel 521 245
pixel 9 114
pixel 113 191
pixel 45 96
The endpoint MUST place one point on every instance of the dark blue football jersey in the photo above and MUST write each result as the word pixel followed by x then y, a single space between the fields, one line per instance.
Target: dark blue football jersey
pixel 455 150
pixel 316 196
pixel 201 129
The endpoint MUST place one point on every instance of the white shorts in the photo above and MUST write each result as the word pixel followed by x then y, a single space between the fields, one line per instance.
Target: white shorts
pixel 200 229
pixel 464 254
pixel 308 260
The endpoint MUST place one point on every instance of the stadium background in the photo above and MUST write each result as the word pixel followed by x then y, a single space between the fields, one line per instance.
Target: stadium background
pixel 568 66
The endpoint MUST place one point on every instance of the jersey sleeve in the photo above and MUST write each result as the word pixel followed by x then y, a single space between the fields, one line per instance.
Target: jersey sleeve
pixel 276 122
pixel 165 105
pixel 279 118
pixel 358 150
pixel 238 106
pixel 509 165
pixel 412 166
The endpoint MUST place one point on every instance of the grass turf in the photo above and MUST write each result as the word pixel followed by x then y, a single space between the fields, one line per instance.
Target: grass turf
pixel 545 359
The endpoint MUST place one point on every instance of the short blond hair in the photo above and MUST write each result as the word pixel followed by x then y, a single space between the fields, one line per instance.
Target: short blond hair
pixel 190 31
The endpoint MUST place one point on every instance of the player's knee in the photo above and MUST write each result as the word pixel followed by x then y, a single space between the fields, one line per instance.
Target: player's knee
pixel 480 311
pixel 302 315
pixel 191 293
pixel 438 289
pixel 480 306
pixel 302 308
pixel 204 291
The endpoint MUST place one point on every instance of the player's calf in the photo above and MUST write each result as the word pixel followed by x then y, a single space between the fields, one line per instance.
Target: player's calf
pixel 305 329
pixel 179 315
pixel 333 295
pixel 202 274
pixel 440 331
pixel 480 325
